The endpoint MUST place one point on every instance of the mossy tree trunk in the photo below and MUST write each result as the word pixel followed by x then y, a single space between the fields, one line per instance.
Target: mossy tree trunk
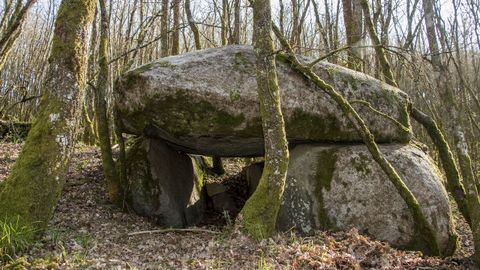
pixel 423 228
pixel 34 185
pixel 454 183
pixel 259 215
pixel 109 170
pixel 445 88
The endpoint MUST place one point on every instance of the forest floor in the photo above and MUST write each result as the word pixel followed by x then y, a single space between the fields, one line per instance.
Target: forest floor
pixel 89 233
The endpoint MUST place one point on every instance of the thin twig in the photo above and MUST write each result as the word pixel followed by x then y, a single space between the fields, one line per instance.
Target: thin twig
pixel 369 106
pixel 174 230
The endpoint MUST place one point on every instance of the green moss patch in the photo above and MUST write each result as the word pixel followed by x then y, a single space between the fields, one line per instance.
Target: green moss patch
pixel 325 167
pixel 180 115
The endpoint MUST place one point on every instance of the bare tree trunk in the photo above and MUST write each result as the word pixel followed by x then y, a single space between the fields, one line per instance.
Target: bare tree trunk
pixel 164 31
pixel 37 178
pixel 352 16
pixel 429 14
pixel 89 133
pixel 176 26
pixel 259 215
pixel 294 38
pixel 235 38
pixel 128 36
pixel 224 22
pixel 193 25
pixel 454 184
pixel 282 16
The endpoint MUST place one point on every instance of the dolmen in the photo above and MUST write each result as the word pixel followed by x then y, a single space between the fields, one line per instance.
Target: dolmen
pixel 205 103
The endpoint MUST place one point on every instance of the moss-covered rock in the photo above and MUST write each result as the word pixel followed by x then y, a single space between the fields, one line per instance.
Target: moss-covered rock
pixel 205 102
pixel 163 184
pixel 14 131
pixel 340 187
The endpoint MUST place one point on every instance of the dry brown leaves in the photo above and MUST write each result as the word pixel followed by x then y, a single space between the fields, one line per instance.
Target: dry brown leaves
pixel 88 232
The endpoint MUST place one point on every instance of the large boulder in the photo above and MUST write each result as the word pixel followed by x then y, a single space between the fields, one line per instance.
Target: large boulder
pixel 206 102
pixel 163 184
pixel 340 187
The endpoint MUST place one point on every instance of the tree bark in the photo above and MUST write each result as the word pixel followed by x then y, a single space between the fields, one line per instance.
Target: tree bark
pixel 445 88
pixel 224 22
pixel 454 182
pixel 164 29
pixel 176 26
pixel 235 38
pixel 352 17
pixel 37 178
pixel 193 25
pixel 109 170
pixel 259 215
pixel 294 35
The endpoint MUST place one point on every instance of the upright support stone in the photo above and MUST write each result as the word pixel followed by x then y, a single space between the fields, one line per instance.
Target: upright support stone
pixel 164 184
pixel 340 187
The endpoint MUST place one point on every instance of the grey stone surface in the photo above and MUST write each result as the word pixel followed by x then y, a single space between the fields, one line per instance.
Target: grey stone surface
pixel 205 102
pixel 164 185
pixel 340 187
pixel 253 173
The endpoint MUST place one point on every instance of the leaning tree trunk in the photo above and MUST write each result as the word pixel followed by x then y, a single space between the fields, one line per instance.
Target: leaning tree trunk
pixel 423 228
pixel 34 185
pixel 259 215
pixel 454 110
pixel 454 183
